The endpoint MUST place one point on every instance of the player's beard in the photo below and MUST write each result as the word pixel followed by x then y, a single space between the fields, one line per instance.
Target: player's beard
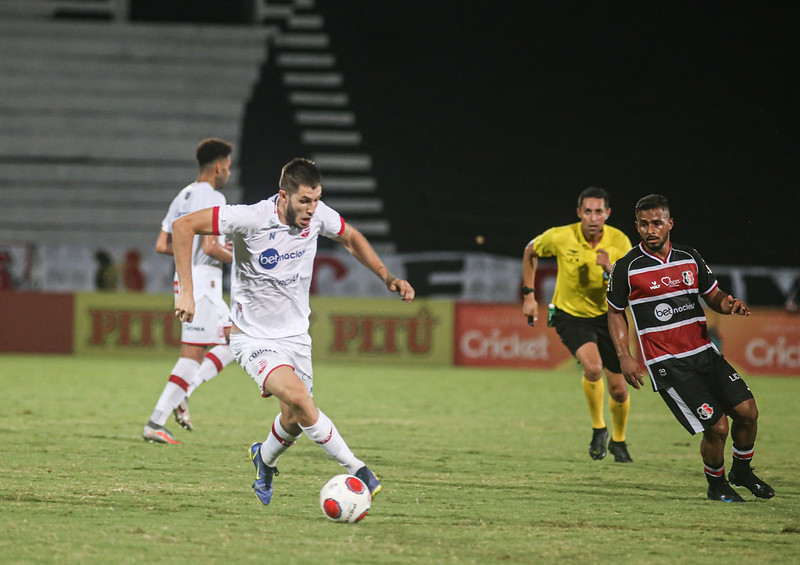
pixel 657 245
pixel 291 217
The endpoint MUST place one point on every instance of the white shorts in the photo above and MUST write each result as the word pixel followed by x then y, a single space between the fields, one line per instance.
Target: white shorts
pixel 260 356
pixel 211 317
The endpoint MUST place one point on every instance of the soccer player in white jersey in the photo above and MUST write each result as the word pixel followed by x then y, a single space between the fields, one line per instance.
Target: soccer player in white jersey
pixel 211 324
pixel 274 244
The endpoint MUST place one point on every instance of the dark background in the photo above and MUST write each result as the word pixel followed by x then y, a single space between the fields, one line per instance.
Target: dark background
pixel 489 119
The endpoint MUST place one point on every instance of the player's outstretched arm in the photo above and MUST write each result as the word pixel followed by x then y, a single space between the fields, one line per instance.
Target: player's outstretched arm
pixel 183 232
pixel 358 246
pixel 618 328
pixel 724 303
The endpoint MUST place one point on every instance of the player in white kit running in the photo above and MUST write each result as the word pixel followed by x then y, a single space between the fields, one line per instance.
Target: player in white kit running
pixel 211 324
pixel 274 244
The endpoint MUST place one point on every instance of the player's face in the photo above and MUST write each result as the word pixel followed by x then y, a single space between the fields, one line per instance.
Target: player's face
pixel 222 172
pixel 593 214
pixel 301 205
pixel 654 226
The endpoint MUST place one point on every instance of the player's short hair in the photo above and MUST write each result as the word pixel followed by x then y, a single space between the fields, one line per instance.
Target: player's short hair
pixel 299 172
pixel 652 201
pixel 595 192
pixel 211 150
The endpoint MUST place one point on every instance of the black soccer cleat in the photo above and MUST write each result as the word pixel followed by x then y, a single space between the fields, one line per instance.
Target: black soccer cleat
pixel 721 490
pixel 620 451
pixel 745 477
pixel 597 448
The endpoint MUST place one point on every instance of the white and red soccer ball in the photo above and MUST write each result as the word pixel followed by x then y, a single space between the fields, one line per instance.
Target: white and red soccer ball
pixel 345 498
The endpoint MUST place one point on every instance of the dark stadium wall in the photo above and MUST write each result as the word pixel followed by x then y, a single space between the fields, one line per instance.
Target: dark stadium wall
pixel 491 121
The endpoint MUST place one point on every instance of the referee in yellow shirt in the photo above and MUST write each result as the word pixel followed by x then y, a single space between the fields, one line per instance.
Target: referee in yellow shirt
pixel 585 252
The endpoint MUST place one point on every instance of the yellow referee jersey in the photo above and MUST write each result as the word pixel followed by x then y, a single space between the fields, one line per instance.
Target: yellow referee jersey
pixel 580 286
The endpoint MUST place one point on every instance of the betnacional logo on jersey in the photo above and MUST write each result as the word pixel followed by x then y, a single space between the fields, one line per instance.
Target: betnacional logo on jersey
pixel 704 411
pixel 664 312
pixel 270 258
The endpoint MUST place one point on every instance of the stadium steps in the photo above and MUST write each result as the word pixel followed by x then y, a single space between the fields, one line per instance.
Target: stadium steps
pixel 326 122
pixel 99 119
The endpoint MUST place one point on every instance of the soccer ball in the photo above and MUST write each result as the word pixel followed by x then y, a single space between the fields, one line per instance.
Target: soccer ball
pixel 345 498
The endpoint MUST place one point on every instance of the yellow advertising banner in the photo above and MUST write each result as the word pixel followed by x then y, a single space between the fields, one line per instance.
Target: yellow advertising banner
pixel 382 330
pixel 120 322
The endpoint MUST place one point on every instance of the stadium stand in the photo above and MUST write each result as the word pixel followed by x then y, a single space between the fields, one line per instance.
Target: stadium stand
pixel 100 117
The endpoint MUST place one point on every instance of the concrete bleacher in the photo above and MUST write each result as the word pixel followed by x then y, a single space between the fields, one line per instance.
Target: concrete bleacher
pixel 99 119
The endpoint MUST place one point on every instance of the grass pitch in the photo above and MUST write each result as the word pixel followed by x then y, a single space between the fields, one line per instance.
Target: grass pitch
pixel 478 466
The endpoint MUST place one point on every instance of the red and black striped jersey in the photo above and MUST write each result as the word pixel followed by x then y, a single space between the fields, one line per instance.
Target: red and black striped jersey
pixel 664 298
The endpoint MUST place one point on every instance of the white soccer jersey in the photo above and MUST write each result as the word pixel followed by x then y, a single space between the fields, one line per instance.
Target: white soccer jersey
pixel 206 270
pixel 272 266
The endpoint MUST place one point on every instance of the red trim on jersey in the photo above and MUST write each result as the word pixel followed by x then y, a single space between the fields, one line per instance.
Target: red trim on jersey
pixel 341 229
pixel 180 382
pixel 674 341
pixel 215 220
pixel 664 280
pixel 203 344
pixel 656 257
pixel 264 392
pixel 214 359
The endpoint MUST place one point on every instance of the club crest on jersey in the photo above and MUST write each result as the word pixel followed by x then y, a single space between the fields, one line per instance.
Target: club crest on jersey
pixel 270 258
pixel 688 278
pixel 705 411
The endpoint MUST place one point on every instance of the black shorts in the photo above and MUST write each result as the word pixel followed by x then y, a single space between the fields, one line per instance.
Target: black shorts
pixel 710 390
pixel 575 332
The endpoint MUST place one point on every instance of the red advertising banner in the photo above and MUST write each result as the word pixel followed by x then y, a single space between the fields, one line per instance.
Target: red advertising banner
pixel 34 322
pixel 765 343
pixel 498 335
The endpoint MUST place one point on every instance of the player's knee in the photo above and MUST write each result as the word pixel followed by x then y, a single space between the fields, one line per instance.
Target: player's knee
pixel 618 391
pixel 298 400
pixel 719 431
pixel 745 413
pixel 592 370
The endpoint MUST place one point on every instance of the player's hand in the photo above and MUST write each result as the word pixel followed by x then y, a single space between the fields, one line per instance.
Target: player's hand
pixel 403 288
pixel 530 307
pixel 735 305
pixel 184 307
pixel 632 372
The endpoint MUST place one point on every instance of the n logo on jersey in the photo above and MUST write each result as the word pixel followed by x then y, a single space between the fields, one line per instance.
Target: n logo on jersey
pixel 688 278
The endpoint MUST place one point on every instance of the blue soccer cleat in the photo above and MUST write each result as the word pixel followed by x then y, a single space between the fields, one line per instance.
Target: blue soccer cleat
pixel 262 486
pixel 372 482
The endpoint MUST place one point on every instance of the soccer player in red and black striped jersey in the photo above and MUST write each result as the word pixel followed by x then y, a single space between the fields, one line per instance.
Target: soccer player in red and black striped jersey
pixel 662 283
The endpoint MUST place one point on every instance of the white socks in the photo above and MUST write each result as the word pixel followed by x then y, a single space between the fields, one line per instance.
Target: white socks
pixel 215 360
pixel 278 441
pixel 175 390
pixel 324 433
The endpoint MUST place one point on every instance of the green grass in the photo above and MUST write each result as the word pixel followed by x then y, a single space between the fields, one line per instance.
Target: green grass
pixel 478 466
